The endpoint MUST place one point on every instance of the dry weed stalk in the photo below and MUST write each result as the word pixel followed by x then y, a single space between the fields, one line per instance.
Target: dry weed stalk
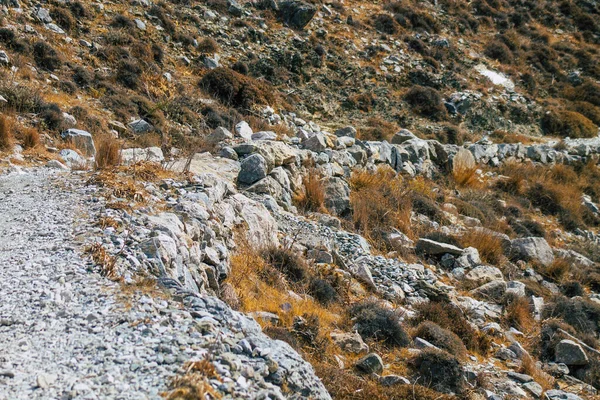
pixel 464 168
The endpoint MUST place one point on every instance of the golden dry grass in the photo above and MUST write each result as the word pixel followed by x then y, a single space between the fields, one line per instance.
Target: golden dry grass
pixel 194 384
pixel 518 314
pixel 6 136
pixel 105 261
pixel 464 168
pixel 312 195
pixel 107 152
pixel 488 244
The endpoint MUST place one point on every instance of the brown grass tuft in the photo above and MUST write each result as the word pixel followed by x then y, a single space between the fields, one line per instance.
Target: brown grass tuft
pixel 194 383
pixel 105 261
pixel 464 168
pixel 487 244
pixel 30 138
pixel 6 137
pixel 312 196
pixel 518 314
pixel 107 153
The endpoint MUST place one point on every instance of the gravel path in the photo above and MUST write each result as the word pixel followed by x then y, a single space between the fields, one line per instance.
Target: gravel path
pixel 63 332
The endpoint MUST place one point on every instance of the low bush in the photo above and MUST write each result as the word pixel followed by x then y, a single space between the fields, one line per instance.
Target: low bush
pixel 384 23
pixel 588 91
pixel 235 89
pixel 440 337
pixel 52 117
pixel 426 102
pixel 439 370
pixel 377 129
pixel 30 138
pixel 6 136
pixel 580 313
pixel 208 46
pixel 372 321
pixel 46 57
pixel 322 291
pixel 572 289
pixel 63 18
pixel 517 313
pixel 588 110
pixel 122 22
pixel 128 74
pixel 287 262
pixel 450 317
pixel 499 51
pixel 567 124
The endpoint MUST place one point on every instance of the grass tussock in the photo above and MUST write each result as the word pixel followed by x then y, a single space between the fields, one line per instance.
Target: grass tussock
pixel 103 260
pixel 488 244
pixel 568 124
pixel 108 153
pixel 312 196
pixel 380 201
pixel 440 337
pixel 6 136
pixel 194 383
pixel 518 314
pixel 464 168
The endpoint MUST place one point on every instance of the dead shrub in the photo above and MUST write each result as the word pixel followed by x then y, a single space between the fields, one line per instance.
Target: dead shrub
pixel 362 101
pixel 517 313
pixel 488 244
pixel 287 262
pixel 582 314
pixel 237 90
pixel 208 46
pixel 108 152
pixel 384 23
pixel 373 321
pixel 312 196
pixel 499 51
pixel 567 124
pixel 588 110
pixel 377 129
pixel 30 138
pixel 440 337
pixel 6 136
pixel 63 18
pixel 46 56
pixel 558 270
pixel 426 102
pixel 380 201
pixel 588 91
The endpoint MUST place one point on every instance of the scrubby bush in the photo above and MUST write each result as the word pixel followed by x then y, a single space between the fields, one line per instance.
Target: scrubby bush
pixel 497 50
pixel 128 74
pixel 450 317
pixel 440 370
pixel 588 91
pixel 572 289
pixel 580 313
pixel 567 124
pixel 377 129
pixel 240 67
pixel 385 24
pixel 440 337
pixel 287 262
pixel 46 57
pixel 235 89
pixel 322 291
pixel 63 18
pixel 208 45
pixel 372 321
pixel 426 102
pixel 123 22
pixel 10 39
pixel 78 10
pixel 588 110
pixel 517 313
pixel 53 117
pixel 82 77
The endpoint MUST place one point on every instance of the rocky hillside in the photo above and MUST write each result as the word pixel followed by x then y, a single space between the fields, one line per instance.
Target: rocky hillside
pixel 288 199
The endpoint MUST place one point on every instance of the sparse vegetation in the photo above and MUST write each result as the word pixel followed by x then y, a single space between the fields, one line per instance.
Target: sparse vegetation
pixel 439 370
pixel 426 102
pixel 376 322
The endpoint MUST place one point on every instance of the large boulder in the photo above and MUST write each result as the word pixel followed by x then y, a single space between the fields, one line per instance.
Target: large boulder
pixel 570 353
pixel 253 169
pixel 131 156
pixel 82 140
pixel 203 163
pixel 337 195
pixel 296 14
pixel 483 274
pixel 493 290
pixel 532 249
pixel 275 153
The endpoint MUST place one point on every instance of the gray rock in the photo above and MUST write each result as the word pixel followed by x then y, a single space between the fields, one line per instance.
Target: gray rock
pixel 370 364
pixel 516 288
pixel 72 158
pixel 152 154
pixel 350 342
pixel 534 388
pixel 44 381
pixel 493 290
pixel 229 153
pixel 532 248
pixel 243 130
pixel 296 14
pixel 4 58
pixel 253 169
pixel 219 135
pixel 82 140
pixel 264 135
pixel 140 126
pixel 570 353
pixel 349 131
pixel 430 247
pixel 402 136
pixel 555 394
pixel 484 274
pixel 423 344
pixel 55 164
pixel 337 196
pixel 393 380
pixel 523 378
pixel 316 143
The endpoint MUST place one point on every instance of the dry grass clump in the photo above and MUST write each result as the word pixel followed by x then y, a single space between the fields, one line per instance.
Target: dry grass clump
pixel 6 136
pixel 194 383
pixel 108 152
pixel 517 313
pixel 379 201
pixel 341 384
pixel 582 314
pixel 568 123
pixel 46 56
pixel 104 260
pixel 440 337
pixel 426 102
pixel 450 317
pixel 235 89
pixel 464 168
pixel 529 367
pixel 558 270
pixel 287 262
pixel 312 195
pixel 30 138
pixel 373 321
pixel 377 129
pixel 208 45
pixel 488 244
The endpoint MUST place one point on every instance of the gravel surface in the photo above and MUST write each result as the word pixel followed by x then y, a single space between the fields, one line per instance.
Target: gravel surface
pixel 63 332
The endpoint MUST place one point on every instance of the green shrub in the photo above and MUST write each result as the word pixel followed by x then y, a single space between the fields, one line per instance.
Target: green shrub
pixel 372 321
pixel 440 337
